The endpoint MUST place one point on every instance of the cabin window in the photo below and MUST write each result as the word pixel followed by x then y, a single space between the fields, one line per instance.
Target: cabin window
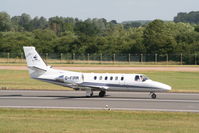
pixel 116 78
pixel 100 78
pixel 122 78
pixel 95 77
pixel 106 78
pixel 111 78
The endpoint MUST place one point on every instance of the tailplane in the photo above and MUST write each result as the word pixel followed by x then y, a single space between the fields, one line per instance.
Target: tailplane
pixel 35 63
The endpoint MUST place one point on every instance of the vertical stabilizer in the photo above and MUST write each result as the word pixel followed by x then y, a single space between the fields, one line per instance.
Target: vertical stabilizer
pixel 33 59
pixel 35 63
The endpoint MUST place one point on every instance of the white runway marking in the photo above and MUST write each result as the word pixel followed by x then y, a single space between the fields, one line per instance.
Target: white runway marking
pixel 82 92
pixel 106 99
pixel 97 108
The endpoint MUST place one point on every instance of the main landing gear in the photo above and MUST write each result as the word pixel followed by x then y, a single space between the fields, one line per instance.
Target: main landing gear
pixel 102 93
pixel 89 93
pixel 153 95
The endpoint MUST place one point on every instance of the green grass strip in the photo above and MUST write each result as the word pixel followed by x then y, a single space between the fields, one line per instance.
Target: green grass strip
pixel 84 121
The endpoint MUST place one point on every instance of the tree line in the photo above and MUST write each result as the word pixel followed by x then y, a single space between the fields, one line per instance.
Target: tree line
pixel 191 17
pixel 72 35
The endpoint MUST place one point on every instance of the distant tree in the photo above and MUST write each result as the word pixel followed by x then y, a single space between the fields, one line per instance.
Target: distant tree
pixel 86 27
pixel 5 22
pixel 15 22
pixel 132 24
pixel 136 45
pixel 197 28
pixel 22 22
pixel 69 24
pixel 39 23
pixel 100 24
pixel 57 24
pixel 191 17
pixel 157 38
pixel 43 40
pixel 25 20
pixel 66 44
pixel 113 21
pixel 14 41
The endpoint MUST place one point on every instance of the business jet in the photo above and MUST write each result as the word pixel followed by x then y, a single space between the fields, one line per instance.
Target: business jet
pixel 90 82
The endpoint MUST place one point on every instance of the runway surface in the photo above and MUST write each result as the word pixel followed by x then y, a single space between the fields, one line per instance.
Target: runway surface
pixel 174 102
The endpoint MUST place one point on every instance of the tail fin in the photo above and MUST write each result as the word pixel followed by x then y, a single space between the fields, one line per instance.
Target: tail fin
pixel 35 63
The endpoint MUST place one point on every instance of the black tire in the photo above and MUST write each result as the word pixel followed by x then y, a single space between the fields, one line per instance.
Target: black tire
pixel 153 96
pixel 102 93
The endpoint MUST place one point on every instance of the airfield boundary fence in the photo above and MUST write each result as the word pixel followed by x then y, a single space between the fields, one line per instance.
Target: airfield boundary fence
pixel 62 58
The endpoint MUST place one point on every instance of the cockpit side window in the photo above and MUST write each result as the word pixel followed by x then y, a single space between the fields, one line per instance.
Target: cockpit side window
pixel 137 78
pixel 141 78
pixel 144 78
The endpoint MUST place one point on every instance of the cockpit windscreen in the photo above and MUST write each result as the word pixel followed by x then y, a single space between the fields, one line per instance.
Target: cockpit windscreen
pixel 141 78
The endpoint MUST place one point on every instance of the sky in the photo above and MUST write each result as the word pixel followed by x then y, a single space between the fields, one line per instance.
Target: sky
pixel 120 10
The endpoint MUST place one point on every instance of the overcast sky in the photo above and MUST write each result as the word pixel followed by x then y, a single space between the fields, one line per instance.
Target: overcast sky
pixel 120 10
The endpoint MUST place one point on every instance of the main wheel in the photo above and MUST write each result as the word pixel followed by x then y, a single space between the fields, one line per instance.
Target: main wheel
pixel 102 93
pixel 153 96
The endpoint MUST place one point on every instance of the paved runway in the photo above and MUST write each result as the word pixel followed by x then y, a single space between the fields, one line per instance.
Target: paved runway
pixel 175 102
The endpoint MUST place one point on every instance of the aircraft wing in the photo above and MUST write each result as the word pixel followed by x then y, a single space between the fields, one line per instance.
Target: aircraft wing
pixel 100 87
pixel 96 86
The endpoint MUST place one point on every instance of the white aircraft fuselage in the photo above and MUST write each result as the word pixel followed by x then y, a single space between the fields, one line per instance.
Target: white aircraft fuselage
pixel 91 81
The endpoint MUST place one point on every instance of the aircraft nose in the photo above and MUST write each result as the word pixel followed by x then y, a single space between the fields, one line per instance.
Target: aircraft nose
pixel 166 87
pixel 163 86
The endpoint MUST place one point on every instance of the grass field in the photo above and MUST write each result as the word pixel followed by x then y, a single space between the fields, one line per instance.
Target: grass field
pixel 101 64
pixel 19 79
pixel 180 81
pixel 85 61
pixel 84 121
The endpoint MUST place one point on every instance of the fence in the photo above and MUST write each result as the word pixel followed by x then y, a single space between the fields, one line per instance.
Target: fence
pixel 62 58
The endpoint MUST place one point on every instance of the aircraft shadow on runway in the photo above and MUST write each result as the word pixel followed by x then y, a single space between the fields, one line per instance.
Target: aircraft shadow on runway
pixel 16 95
pixel 49 96
pixel 95 96
pixel 69 97
pixel 74 97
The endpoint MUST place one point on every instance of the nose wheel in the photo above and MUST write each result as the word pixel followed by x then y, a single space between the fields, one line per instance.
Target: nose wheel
pixel 153 95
